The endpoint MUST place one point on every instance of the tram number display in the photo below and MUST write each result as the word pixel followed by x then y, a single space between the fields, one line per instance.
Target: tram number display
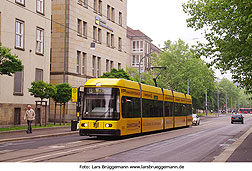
pixel 98 90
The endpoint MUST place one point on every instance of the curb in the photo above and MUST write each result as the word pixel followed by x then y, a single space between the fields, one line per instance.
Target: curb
pixel 224 156
pixel 39 136
pixel 4 132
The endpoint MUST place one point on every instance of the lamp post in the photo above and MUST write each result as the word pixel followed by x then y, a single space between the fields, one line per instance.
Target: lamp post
pixel 140 61
pixel 155 78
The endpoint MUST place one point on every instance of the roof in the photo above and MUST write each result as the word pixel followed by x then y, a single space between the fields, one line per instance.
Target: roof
pixel 117 82
pixel 136 33
pixel 154 47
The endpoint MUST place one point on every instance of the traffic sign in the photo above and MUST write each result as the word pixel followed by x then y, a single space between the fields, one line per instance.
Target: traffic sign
pixel 74 95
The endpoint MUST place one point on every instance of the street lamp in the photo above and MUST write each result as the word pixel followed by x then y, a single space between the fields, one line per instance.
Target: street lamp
pixel 155 79
pixel 139 65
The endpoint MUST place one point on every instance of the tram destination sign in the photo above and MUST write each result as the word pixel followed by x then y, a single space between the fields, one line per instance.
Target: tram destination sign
pixel 98 90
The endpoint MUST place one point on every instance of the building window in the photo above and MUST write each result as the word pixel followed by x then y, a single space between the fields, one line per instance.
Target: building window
pixel 38 74
pixel 137 46
pixel 136 60
pixel 120 18
pixel 100 7
pixel 22 2
pixel 107 65
pixel 83 3
pixel 40 6
pixel 78 62
pixel 40 41
pixel 119 66
pixel 78 27
pixel 95 5
pixel 94 33
pixel 108 39
pixel 133 60
pixel 112 41
pixel 93 66
pixel 120 44
pixel 141 46
pixel 98 67
pixel 112 14
pixel 84 55
pixel 18 83
pixel 19 34
pixel 108 12
pixel 111 65
pixel 99 35
pixel 84 29
pixel 147 48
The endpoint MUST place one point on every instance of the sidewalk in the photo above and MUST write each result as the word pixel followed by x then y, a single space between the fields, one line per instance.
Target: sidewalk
pixel 36 133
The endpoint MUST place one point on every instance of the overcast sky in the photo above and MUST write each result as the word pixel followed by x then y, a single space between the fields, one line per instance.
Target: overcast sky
pixel 163 20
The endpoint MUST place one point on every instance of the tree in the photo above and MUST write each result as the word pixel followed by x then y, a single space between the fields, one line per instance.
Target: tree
pixel 146 77
pixel 120 73
pixel 62 95
pixel 227 27
pixel 181 65
pixel 42 90
pixel 9 64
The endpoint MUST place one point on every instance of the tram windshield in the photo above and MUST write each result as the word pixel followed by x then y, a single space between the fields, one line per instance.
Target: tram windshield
pixel 101 104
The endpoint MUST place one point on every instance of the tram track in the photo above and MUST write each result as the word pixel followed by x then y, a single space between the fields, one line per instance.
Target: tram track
pixel 63 151
pixel 54 150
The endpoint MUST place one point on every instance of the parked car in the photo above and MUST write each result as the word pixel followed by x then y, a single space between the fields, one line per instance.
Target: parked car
pixel 196 119
pixel 237 118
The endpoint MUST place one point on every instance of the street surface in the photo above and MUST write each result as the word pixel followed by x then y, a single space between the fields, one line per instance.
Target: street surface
pixel 193 144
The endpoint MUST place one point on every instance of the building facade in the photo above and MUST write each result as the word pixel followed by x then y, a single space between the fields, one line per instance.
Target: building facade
pixel 89 37
pixel 25 28
pixel 140 46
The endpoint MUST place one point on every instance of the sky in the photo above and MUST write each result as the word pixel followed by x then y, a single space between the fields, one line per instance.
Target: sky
pixel 163 20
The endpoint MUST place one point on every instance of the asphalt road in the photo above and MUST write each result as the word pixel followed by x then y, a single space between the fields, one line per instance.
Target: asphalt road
pixel 192 144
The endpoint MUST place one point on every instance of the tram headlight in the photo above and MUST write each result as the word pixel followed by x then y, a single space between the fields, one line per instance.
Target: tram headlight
pixel 84 124
pixel 108 125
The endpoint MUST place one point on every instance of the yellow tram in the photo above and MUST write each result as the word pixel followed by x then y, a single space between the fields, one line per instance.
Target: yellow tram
pixel 118 107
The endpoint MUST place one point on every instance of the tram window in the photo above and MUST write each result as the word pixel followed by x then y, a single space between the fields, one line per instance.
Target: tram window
pixel 178 109
pixel 189 109
pixel 152 108
pixel 158 109
pixel 184 110
pixel 168 109
pixel 130 107
pixel 148 107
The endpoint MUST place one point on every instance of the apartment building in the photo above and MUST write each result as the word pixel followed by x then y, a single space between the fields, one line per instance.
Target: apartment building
pixel 140 46
pixel 89 37
pixel 25 28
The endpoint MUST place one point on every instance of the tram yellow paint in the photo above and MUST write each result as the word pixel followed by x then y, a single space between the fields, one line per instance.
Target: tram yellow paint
pixel 130 92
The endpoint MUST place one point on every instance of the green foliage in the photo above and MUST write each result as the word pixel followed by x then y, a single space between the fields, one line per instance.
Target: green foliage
pixel 226 87
pixel 42 90
pixel 181 65
pixel 120 73
pixel 146 77
pixel 9 64
pixel 227 26
pixel 63 94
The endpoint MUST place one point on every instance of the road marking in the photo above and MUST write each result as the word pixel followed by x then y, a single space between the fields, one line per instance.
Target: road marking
pixel 223 157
